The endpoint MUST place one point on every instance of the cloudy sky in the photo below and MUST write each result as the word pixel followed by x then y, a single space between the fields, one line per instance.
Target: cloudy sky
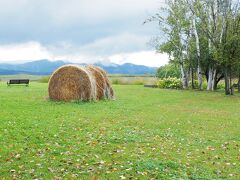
pixel 83 31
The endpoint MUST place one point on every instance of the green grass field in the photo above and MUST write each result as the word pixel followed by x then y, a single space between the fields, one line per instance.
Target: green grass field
pixel 145 133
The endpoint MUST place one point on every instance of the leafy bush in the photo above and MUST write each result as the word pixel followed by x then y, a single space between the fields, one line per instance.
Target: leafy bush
pixel 44 79
pixel 204 84
pixel 170 83
pixel 195 82
pixel 169 70
pixel 221 85
pixel 116 81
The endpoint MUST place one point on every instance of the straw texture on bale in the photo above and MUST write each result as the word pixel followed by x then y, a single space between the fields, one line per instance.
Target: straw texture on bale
pixel 109 93
pixel 71 82
pixel 100 80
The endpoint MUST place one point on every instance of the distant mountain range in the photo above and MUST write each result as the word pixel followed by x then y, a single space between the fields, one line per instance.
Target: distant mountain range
pixel 46 67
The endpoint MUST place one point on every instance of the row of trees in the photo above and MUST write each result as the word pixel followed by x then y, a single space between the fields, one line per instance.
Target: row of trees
pixel 202 37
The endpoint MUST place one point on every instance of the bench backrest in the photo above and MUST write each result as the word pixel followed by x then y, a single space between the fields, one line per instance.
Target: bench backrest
pixel 19 81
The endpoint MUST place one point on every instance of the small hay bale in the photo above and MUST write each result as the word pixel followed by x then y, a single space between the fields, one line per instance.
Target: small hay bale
pixel 100 80
pixel 71 82
pixel 109 93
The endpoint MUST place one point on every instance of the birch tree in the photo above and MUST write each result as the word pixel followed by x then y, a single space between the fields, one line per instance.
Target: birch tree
pixel 191 5
pixel 174 26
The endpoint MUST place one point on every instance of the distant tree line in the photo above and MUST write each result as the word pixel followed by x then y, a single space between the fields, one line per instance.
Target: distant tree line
pixel 169 70
pixel 202 39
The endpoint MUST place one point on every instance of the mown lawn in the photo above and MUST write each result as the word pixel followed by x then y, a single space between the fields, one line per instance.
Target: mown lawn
pixel 146 133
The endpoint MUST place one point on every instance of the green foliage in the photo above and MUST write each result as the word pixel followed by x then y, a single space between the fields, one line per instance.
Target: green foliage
pixel 204 84
pixel 201 36
pixel 116 81
pixel 44 79
pixel 169 70
pixel 170 83
pixel 221 85
pixel 195 83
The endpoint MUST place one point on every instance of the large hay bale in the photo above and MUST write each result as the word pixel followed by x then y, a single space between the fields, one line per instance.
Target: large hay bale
pixel 100 80
pixel 71 82
pixel 108 91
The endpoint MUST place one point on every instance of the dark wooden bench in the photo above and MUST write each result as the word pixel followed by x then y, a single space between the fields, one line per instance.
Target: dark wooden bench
pixel 18 81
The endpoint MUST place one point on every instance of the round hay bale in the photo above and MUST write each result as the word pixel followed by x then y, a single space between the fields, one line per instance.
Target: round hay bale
pixel 71 82
pixel 109 93
pixel 100 82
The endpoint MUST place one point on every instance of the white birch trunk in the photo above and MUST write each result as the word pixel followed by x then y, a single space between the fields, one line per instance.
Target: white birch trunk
pixel 210 78
pixel 199 70
pixel 210 70
pixel 184 77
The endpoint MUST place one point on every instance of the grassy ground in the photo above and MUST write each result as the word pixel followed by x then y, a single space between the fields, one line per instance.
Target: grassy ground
pixel 146 133
pixel 20 76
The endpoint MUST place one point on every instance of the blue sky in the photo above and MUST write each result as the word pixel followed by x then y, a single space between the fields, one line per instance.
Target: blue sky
pixel 78 31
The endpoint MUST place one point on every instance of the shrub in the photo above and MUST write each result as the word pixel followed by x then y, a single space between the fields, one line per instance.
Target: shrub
pixel 116 81
pixel 169 70
pixel 204 84
pixel 195 82
pixel 44 79
pixel 170 83
pixel 221 85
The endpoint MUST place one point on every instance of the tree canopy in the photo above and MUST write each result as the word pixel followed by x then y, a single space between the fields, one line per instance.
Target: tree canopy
pixel 202 39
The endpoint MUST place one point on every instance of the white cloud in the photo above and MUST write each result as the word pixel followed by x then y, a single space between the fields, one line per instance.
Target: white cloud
pixel 34 51
pixel 76 30
pixel 23 52
pixel 147 58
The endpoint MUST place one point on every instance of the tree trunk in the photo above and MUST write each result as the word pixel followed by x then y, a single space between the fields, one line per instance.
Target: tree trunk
pixel 214 79
pixel 184 77
pixel 230 84
pixel 199 69
pixel 239 83
pixel 227 85
pixel 217 80
pixel 192 77
pixel 211 71
pixel 210 79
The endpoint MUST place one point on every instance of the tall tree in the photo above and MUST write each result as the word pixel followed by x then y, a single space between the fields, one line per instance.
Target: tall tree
pixel 192 5
pixel 174 24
